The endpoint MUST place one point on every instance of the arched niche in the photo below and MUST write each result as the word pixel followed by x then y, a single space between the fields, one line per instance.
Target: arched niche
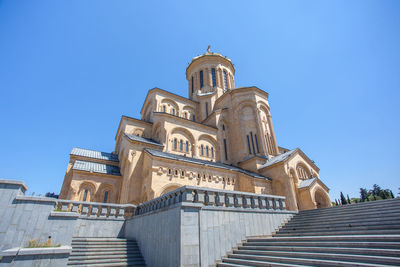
pixel 87 191
pixel 321 199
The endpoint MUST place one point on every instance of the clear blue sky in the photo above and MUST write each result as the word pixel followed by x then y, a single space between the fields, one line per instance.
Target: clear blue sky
pixel 70 69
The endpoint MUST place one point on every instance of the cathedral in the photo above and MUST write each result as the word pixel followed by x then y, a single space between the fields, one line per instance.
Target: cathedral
pixel 220 137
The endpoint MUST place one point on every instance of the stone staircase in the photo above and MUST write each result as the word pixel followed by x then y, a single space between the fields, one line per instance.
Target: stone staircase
pixel 362 234
pixel 105 252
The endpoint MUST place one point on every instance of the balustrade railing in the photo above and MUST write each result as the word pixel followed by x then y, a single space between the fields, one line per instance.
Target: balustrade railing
pixel 95 209
pixel 213 197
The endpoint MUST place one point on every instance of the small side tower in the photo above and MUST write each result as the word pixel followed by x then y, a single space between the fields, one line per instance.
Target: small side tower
pixel 209 75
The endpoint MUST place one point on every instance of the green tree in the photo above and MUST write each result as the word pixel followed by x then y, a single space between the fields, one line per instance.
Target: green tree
pixel 363 194
pixel 376 190
pixel 391 194
pixel 348 199
pixel 342 199
pixel 337 204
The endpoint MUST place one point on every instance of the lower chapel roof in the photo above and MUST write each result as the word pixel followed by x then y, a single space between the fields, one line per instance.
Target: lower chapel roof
pixel 88 166
pixel 143 140
pixel 203 162
pixel 76 151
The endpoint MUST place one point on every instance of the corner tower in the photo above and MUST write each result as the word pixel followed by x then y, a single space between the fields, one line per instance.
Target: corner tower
pixel 209 76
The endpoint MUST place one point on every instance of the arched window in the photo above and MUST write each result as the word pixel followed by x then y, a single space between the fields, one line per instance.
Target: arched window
pixel 194 117
pixel 169 171
pixel 202 150
pixel 181 145
pixel 214 78
pixel 248 143
pixel 192 85
pixel 175 143
pixel 173 111
pixel 206 109
pixel 85 194
pixel 201 79
pixel 185 115
pixel 223 127
pixel 212 152
pixel 255 137
pixel 163 108
pixel 225 81
pixel 182 173
pixel 105 197
pixel 207 154
pixel 187 146
pixel 225 150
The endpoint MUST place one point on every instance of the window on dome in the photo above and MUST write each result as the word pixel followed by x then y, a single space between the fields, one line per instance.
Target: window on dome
pixel 212 152
pixel 225 149
pixel 187 146
pixel 225 80
pixel 163 108
pixel 181 145
pixel 175 144
pixel 207 154
pixel 214 78
pixel 201 79
pixel 202 150
pixel 173 111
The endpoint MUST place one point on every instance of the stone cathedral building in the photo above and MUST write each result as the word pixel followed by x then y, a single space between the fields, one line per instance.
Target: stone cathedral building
pixel 220 137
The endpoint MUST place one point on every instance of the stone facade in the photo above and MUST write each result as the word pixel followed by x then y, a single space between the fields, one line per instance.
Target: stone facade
pixel 220 137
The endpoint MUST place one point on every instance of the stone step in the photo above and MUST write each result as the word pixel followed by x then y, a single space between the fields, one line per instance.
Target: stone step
pixel 100 253
pixel 323 256
pixel 369 204
pixel 106 262
pixel 338 250
pixel 105 243
pixel 337 228
pixel 89 250
pixel 106 246
pixel 111 264
pixel 345 232
pixel 388 208
pixel 136 256
pixel 239 263
pixel 368 220
pixel 365 238
pixel 264 261
pixel 358 214
pixel 103 239
pixel 343 244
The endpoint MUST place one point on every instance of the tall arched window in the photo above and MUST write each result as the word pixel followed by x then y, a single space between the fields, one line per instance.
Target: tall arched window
pixel 187 146
pixel 181 145
pixel 185 115
pixel 206 109
pixel 214 78
pixel 225 150
pixel 192 85
pixel 201 79
pixel 212 152
pixel 207 154
pixel 202 150
pixel 173 111
pixel 85 194
pixel 175 143
pixel 105 197
pixel 225 81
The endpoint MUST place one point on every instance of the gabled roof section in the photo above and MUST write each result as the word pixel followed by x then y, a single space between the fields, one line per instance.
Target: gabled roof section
pixel 279 158
pixel 287 155
pixel 88 153
pixel 144 123
pixel 143 140
pixel 168 93
pixel 203 162
pixel 310 182
pixel 307 183
pixel 88 166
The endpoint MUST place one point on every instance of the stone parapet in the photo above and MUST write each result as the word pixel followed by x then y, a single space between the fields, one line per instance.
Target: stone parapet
pixel 208 197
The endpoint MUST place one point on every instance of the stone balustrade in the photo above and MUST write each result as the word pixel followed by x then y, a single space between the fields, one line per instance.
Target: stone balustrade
pixel 214 197
pixel 86 209
pixel 95 209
